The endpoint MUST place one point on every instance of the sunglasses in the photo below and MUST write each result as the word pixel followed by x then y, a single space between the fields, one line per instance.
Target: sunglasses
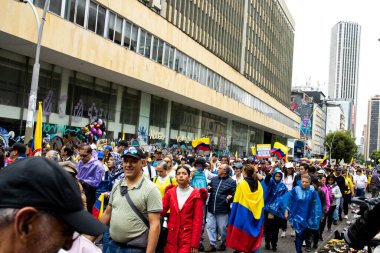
pixel 131 150
pixel 84 155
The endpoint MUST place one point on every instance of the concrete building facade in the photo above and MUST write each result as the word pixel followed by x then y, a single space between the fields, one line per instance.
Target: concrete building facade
pixel 146 76
pixel 373 126
pixel 334 118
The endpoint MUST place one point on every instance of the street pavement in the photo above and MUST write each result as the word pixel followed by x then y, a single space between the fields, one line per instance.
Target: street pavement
pixel 286 245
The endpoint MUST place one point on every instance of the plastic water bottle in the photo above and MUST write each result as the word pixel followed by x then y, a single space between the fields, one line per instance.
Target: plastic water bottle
pixel 165 223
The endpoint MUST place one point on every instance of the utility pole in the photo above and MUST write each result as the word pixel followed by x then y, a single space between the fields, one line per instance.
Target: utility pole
pixel 36 73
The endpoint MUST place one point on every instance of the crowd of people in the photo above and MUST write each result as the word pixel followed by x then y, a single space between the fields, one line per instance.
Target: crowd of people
pixel 165 202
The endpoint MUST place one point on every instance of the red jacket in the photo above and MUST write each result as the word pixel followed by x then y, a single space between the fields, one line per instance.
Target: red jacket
pixel 184 226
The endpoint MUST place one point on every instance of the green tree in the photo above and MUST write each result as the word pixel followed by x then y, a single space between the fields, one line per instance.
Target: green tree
pixel 341 145
pixel 375 156
pixel 360 158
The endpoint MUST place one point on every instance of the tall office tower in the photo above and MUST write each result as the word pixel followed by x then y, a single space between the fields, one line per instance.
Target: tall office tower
pixel 372 141
pixel 344 65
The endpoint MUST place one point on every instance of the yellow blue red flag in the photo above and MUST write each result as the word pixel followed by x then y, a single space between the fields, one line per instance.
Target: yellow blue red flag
pixel 245 226
pixel 201 144
pixel 97 209
pixel 38 131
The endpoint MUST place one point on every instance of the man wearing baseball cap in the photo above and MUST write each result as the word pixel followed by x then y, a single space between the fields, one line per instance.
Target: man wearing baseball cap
pixel 41 208
pixel 16 152
pixel 133 228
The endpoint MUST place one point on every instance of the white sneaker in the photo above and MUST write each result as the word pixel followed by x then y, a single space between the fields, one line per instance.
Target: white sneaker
pixel 346 217
pixel 293 233
pixel 283 234
pixel 356 216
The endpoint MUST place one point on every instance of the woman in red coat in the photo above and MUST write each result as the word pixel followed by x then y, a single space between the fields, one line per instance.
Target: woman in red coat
pixel 186 213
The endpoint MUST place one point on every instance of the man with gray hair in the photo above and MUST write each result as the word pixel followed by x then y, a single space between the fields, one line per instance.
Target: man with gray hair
pixel 41 208
pixel 222 189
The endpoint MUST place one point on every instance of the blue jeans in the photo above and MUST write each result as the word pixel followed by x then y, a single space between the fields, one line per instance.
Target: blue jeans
pixel 106 239
pixel 217 223
pixel 360 192
pixel 113 247
pixel 338 209
pixel 299 241
pixel 203 222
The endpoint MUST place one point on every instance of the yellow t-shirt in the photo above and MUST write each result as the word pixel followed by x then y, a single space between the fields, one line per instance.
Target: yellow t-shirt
pixel 162 184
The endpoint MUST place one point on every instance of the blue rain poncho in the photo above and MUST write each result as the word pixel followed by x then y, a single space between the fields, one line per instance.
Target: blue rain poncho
pixel 305 209
pixel 276 195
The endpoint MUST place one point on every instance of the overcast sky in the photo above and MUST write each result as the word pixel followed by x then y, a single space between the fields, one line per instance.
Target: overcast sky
pixel 313 22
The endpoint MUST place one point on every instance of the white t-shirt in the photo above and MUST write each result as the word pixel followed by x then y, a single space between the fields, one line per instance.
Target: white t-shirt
pixel 146 172
pixel 183 195
pixel 360 181
pixel 289 182
pixel 237 180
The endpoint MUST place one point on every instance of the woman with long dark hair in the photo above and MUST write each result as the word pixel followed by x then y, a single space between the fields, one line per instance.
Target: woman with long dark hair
pixel 186 213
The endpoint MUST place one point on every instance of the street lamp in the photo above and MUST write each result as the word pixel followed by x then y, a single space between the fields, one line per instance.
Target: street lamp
pixel 36 72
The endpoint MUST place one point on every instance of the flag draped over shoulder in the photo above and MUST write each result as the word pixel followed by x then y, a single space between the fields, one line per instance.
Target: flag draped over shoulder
pixel 201 144
pixel 245 226
pixel 38 131
pixel 97 209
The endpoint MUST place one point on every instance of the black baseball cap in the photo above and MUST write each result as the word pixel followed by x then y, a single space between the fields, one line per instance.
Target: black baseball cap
pixel 134 152
pixel 19 147
pixel 43 184
pixel 200 161
pixel 122 143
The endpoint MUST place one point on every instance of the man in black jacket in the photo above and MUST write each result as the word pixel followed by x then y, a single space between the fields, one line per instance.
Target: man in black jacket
pixel 222 189
pixel 341 182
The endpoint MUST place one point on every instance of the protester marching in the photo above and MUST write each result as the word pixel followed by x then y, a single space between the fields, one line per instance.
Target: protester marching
pixel 117 197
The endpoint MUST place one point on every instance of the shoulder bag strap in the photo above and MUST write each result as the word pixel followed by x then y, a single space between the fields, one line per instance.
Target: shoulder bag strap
pixel 136 210
pixel 150 172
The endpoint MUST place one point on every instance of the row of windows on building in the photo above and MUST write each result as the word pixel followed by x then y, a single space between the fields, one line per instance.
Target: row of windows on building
pixel 110 25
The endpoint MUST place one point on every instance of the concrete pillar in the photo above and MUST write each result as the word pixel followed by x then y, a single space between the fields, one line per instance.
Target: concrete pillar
pixel 199 131
pixel 244 37
pixel 167 129
pixel 143 125
pixel 119 102
pixel 229 132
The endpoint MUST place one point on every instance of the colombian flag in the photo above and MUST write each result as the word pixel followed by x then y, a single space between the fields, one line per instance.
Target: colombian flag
pixel 284 149
pixel 278 152
pixel 324 161
pixel 201 144
pixel 97 209
pixel 245 226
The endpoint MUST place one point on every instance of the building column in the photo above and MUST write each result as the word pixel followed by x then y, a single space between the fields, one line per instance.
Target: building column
pixel 143 125
pixel 199 131
pixel 167 129
pixel 63 119
pixel 244 37
pixel 229 132
pixel 119 101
